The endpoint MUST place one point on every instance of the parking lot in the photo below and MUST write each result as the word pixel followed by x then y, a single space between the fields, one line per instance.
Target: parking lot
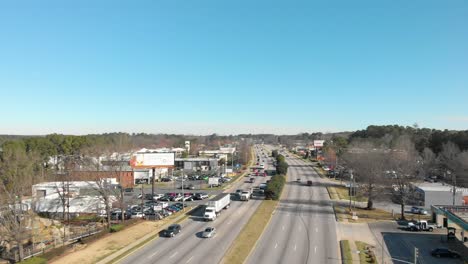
pixel 401 243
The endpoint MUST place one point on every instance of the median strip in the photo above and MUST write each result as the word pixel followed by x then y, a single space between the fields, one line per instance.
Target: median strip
pixel 250 234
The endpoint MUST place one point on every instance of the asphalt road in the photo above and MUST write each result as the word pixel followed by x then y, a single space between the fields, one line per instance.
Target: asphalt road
pixel 189 247
pixel 303 228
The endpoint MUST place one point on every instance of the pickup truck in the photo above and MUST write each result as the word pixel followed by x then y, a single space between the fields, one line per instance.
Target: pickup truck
pixel 421 226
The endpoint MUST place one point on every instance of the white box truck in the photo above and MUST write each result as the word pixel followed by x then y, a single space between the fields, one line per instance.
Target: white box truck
pixel 214 206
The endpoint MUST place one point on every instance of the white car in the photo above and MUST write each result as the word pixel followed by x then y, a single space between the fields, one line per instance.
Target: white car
pixel 158 196
pixel 418 210
pixel 209 232
pixel 137 215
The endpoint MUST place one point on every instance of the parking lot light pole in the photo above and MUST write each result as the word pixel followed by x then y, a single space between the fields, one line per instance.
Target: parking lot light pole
pixel 183 195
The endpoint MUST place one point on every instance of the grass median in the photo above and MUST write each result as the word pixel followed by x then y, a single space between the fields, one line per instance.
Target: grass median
pixel 346 251
pixel 341 193
pixel 250 234
pixel 366 255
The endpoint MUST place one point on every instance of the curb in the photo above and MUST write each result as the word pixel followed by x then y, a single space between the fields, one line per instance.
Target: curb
pixel 136 245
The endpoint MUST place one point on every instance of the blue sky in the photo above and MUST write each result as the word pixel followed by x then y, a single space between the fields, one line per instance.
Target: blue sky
pixel 225 67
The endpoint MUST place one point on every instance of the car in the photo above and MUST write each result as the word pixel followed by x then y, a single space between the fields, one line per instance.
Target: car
pixel 418 210
pixel 298 180
pixel 309 183
pixel 172 230
pixel 166 179
pixel 177 198
pixel 165 198
pixel 187 198
pixel 252 180
pixel 200 196
pixel 180 205
pixel 444 253
pixel 136 215
pixel 158 196
pixel 209 232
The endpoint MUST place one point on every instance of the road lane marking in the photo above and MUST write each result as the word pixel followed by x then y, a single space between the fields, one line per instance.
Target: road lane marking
pixel 295 247
pixel 316 229
pixel 230 221
pixel 152 255
pixel 283 228
pixel 276 245
pixel 189 259
pixel 299 227
pixel 315 249
pixel 173 255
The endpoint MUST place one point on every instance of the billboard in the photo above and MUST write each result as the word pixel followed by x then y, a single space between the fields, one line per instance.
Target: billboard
pixel 152 160
pixel 318 143
pixel 213 181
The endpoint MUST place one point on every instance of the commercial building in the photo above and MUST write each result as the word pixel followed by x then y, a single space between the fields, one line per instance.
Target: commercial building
pixel 196 164
pixel 428 194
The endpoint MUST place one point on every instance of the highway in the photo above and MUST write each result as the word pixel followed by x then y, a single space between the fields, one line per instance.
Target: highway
pixel 189 246
pixel 303 228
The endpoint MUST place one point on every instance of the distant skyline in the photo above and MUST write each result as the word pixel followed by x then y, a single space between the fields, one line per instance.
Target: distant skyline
pixel 232 67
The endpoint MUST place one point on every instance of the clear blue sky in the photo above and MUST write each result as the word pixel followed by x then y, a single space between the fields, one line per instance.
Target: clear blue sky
pixel 224 67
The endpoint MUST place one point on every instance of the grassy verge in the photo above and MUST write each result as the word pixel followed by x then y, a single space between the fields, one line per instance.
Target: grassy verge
pixel 364 216
pixel 250 234
pixel 366 255
pixel 346 252
pixel 156 235
pixel 342 194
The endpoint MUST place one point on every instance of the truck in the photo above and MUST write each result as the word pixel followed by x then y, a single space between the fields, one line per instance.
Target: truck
pixel 422 225
pixel 216 205
pixel 245 195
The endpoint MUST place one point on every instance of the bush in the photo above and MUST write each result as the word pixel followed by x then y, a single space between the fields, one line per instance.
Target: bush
pixel 275 187
pixel 116 228
pixel 34 260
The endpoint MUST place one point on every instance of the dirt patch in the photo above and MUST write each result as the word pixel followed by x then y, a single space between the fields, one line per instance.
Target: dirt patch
pixel 111 243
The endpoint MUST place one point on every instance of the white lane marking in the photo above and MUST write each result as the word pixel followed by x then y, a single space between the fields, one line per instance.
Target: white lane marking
pixel 189 259
pixel 283 228
pixel 315 249
pixel 299 227
pixel 152 255
pixel 276 245
pixel 316 229
pixel 173 255
pixel 295 247
pixel 230 221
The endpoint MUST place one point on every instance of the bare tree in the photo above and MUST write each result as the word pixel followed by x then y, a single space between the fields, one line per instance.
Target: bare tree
pixel 403 162
pixel 368 165
pixel 16 176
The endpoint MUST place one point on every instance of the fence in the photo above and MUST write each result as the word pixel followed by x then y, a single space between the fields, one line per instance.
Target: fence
pixel 43 246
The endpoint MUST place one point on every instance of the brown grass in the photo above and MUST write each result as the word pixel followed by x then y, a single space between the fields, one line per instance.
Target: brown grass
pixel 246 240
pixel 365 216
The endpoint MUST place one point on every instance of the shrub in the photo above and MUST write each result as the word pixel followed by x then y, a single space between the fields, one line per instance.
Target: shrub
pixel 275 187
pixel 34 260
pixel 116 228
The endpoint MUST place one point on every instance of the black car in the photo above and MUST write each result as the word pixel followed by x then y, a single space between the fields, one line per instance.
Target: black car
pixel 172 230
pixel 445 253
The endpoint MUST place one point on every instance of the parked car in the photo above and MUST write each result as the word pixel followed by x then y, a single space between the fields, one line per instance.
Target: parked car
pixel 309 183
pixel 200 196
pixel 166 179
pixel 165 198
pixel 444 253
pixel 172 230
pixel 209 232
pixel 158 196
pixel 418 210
pixel 137 215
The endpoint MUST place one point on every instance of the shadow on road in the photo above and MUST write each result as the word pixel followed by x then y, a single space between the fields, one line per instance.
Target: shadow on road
pixel 402 245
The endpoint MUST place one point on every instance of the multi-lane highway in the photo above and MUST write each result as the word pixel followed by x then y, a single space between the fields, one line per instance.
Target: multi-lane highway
pixel 189 246
pixel 303 228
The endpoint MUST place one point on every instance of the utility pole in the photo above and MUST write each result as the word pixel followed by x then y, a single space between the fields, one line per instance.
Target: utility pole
pixel 152 183
pixel 454 183
pixel 350 188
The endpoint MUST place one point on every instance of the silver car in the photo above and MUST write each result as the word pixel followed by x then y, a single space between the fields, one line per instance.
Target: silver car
pixel 209 232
